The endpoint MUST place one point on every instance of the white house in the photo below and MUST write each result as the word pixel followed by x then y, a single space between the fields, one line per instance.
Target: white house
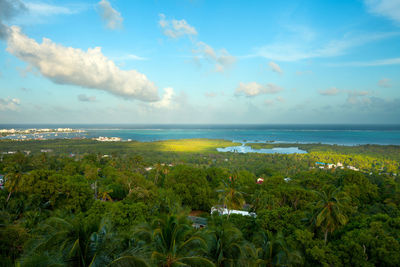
pixel 224 211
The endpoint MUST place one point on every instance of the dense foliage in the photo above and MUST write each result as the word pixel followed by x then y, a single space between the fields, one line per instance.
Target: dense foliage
pixel 128 204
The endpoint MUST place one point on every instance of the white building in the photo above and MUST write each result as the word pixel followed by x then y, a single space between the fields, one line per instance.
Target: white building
pixel 224 211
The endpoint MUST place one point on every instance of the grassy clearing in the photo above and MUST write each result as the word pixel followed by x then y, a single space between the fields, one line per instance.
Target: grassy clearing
pixel 91 146
pixel 194 145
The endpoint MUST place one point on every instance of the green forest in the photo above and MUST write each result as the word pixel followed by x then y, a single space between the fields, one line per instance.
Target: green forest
pixel 86 203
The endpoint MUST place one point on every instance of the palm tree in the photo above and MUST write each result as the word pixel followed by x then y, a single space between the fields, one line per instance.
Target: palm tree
pixel 331 210
pixel 13 181
pixel 272 250
pixel 225 242
pixel 105 194
pixel 172 242
pixel 229 195
pixel 73 242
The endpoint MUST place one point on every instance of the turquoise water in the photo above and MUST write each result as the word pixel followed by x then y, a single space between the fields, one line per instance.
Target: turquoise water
pixel 327 134
pixel 248 149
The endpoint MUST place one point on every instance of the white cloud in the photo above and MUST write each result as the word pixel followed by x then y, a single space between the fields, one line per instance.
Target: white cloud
pixel 305 72
pixel 128 57
pixel 44 9
pixel 255 89
pixel 222 59
pixel 85 98
pixel 297 51
pixel 280 99
pixel 275 67
pixel 9 104
pixel 329 92
pixel 356 97
pixel 373 63
pixel 166 100
pixel 110 16
pixel 386 8
pixel 385 82
pixel 176 28
pixel 90 69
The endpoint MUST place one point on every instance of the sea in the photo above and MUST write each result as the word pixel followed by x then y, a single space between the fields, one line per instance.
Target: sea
pixel 340 134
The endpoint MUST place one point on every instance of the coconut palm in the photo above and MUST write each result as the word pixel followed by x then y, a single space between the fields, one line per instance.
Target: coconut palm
pixel 172 242
pixel 225 242
pixel 331 210
pixel 72 242
pixel 229 195
pixel 272 250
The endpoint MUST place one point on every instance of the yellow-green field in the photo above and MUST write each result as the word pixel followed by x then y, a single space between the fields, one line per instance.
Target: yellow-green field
pixel 69 146
pixel 182 145
pixel 194 145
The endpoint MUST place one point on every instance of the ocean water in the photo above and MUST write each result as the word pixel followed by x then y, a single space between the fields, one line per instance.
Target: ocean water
pixel 326 134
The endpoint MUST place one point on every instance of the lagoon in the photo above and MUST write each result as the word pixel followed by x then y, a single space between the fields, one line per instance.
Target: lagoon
pixel 248 149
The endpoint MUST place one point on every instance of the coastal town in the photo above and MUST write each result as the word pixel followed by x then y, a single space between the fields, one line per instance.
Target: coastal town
pixel 36 133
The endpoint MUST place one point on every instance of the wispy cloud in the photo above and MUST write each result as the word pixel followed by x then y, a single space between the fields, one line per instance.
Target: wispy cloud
pixel 329 92
pixel 372 63
pixel 9 104
pixel 176 28
pixel 385 83
pixel 110 16
pixel 385 8
pixel 254 89
pixel 45 9
pixel 355 97
pixel 299 51
pixel 129 57
pixel 305 72
pixel 222 59
pixel 275 67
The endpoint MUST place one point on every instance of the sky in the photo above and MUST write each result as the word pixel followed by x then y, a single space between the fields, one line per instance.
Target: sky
pixel 202 62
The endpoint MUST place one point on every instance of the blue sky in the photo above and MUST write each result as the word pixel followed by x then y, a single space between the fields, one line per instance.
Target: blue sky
pixel 200 61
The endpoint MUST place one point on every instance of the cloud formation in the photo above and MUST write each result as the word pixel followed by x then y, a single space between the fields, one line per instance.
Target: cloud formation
pixel 329 92
pixel 297 51
pixel 110 16
pixel 275 67
pixel 254 89
pixel 385 83
pixel 8 9
pixel 356 97
pixel 385 8
pixel 90 69
pixel 44 9
pixel 372 63
pixel 9 104
pixel 166 100
pixel 85 98
pixel 222 59
pixel 176 28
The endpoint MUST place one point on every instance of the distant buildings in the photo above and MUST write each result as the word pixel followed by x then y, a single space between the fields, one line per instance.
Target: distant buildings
pixel 323 165
pixel 108 139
